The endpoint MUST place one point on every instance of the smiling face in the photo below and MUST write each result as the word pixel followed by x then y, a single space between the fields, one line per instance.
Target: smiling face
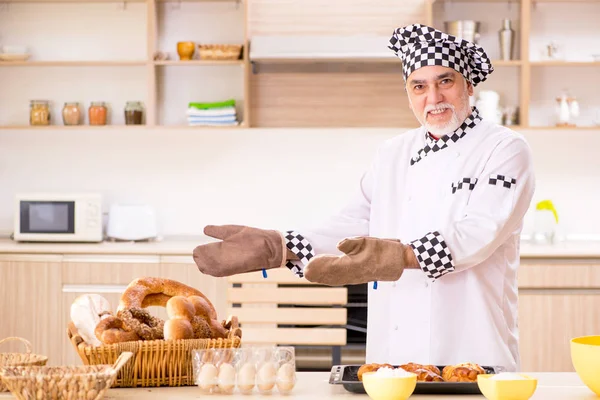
pixel 439 98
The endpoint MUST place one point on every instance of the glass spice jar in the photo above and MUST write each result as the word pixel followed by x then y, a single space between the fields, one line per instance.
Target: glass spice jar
pixel 97 113
pixel 39 112
pixel 71 114
pixel 134 112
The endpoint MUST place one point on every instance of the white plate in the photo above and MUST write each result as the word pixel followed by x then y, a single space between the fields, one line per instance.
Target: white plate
pixel 14 57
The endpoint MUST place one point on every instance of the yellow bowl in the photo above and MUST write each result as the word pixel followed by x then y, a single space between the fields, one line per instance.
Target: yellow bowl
pixel 585 356
pixel 393 388
pixel 516 389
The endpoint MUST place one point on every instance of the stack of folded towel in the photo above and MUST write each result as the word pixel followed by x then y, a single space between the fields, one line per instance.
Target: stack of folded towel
pixel 212 114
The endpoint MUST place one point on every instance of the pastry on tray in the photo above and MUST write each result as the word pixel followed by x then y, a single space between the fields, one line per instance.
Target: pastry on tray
pixel 370 368
pixel 463 372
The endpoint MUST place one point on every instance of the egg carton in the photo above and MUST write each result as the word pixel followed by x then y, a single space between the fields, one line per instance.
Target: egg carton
pixel 245 369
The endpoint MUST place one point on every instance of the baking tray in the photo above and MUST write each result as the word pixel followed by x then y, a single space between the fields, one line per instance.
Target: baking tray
pixel 346 375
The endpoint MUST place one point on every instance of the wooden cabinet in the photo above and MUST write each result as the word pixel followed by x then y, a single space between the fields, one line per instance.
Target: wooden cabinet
pixel 558 300
pixel 549 321
pixel 29 299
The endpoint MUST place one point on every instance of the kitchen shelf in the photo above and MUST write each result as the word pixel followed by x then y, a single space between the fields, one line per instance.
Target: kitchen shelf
pixel 323 58
pixel 514 1
pixel 191 63
pixel 198 1
pixel 559 63
pixel 564 128
pixel 189 127
pixel 72 127
pixel 72 63
pixel 119 127
pixel 475 1
pixel 564 1
pixel 507 63
pixel 72 1
pixel 118 1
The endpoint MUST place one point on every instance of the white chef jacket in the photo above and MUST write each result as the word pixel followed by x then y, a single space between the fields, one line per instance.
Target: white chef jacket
pixel 469 192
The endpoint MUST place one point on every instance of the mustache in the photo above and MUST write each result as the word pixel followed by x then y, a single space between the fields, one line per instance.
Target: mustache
pixel 436 107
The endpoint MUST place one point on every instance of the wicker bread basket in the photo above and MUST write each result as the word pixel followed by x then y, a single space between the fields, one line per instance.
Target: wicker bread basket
pixel 81 382
pixel 220 51
pixel 20 359
pixel 154 362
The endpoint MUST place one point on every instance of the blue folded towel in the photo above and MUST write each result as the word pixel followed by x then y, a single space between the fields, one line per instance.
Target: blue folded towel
pixel 212 119
pixel 214 123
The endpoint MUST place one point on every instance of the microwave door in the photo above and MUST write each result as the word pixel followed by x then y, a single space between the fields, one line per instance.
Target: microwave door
pixel 41 217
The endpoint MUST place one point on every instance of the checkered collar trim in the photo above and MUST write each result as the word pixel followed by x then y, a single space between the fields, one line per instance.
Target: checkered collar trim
pixel 419 46
pixel 433 146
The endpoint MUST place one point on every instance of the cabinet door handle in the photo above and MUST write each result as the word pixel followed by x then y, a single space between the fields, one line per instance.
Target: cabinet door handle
pixel 119 289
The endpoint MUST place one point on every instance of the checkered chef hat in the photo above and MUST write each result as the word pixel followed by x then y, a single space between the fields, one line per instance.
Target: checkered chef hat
pixel 420 45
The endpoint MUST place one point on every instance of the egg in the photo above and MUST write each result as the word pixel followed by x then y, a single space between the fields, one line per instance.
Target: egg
pixel 207 378
pixel 286 378
pixel 246 377
pixel 226 377
pixel 266 376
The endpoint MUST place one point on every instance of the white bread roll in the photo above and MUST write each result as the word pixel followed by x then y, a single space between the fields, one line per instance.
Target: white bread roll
pixel 85 314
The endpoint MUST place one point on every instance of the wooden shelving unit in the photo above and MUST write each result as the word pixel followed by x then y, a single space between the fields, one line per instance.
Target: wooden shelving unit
pixel 192 63
pixel 525 64
pixel 329 70
pixel 151 67
pixel 98 63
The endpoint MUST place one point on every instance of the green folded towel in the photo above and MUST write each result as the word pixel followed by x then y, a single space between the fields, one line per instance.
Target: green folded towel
pixel 207 106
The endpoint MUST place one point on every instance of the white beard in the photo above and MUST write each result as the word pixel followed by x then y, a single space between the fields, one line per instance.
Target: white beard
pixel 440 130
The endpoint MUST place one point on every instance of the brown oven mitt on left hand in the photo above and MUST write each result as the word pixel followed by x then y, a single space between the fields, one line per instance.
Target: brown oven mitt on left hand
pixel 366 259
pixel 241 249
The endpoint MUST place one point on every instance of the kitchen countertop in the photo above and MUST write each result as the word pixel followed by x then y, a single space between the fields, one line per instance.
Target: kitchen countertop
pixel 184 245
pixel 315 386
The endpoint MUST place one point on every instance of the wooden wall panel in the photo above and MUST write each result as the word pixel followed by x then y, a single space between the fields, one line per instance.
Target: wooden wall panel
pixel 332 17
pixel 330 100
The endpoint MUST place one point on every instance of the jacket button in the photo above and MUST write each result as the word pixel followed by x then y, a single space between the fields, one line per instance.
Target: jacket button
pixel 426 284
pixel 396 327
pixel 394 284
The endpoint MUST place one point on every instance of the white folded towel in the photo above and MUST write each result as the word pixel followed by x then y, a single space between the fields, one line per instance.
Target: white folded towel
pixel 211 112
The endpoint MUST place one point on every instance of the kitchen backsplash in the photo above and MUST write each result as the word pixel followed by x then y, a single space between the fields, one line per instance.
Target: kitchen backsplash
pixel 275 178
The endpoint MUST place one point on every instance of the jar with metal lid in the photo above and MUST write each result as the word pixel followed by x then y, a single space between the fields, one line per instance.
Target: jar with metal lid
pixel 134 113
pixel 97 113
pixel 39 112
pixel 71 114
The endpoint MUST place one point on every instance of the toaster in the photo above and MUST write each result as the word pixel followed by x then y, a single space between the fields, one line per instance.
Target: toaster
pixel 131 222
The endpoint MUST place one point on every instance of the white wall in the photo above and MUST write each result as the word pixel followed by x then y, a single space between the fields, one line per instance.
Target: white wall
pixel 279 178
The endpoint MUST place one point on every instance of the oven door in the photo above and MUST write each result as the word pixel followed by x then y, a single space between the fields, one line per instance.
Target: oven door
pixel 46 218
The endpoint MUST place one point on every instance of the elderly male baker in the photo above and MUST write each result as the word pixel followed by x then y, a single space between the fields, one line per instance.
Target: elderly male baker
pixel 435 222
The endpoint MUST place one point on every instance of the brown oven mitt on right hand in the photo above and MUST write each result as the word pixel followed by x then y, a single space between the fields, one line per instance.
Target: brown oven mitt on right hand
pixel 365 259
pixel 241 249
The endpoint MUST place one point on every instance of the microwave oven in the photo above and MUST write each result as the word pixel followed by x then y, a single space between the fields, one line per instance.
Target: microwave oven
pixel 47 217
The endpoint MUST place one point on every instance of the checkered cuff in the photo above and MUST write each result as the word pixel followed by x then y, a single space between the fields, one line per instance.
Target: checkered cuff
pixel 296 243
pixel 433 255
pixel 502 180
